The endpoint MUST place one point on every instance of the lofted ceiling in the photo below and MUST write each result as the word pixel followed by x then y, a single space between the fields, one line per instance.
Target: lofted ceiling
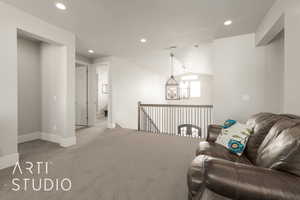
pixel 115 27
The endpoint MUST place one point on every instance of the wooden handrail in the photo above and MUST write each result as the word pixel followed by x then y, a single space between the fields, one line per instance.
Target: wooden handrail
pixel 176 105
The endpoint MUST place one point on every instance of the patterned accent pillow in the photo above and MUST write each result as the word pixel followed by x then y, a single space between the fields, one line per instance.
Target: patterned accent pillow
pixel 235 138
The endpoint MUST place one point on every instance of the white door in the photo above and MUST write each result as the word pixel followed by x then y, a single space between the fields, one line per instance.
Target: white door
pixel 81 95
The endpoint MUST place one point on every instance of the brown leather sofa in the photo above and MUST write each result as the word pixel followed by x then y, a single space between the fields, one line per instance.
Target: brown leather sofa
pixel 269 169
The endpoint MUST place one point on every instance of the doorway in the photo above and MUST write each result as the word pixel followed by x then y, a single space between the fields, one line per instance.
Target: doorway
pixel 81 96
pixel 102 93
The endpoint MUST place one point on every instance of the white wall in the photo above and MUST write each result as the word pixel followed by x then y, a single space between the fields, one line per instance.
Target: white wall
pixel 245 80
pixel 292 61
pixel 130 84
pixel 195 59
pixel 12 19
pixel 289 11
pixel 53 88
pixel 29 86
pixel 274 81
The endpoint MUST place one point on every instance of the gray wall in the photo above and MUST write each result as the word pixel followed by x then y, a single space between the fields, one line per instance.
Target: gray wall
pixel 29 86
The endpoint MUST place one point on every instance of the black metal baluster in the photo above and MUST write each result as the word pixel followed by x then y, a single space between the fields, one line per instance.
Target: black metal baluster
pixel 180 119
pixel 210 115
pixel 206 122
pixel 147 119
pixel 201 121
pixel 160 119
pixel 171 131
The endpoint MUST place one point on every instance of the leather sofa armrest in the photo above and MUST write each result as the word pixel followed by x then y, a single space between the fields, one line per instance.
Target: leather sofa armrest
pixel 240 181
pixel 213 132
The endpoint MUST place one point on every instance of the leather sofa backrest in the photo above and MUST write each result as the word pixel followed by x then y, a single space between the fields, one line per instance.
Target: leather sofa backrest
pixel 281 148
pixel 290 116
pixel 213 132
pixel 261 124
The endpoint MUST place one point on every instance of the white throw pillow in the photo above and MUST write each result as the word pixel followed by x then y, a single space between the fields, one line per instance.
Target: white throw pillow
pixel 235 138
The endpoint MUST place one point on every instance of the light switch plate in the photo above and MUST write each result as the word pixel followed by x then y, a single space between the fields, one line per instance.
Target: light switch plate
pixel 245 97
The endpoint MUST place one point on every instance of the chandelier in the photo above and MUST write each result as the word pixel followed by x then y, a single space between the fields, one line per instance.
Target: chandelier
pixel 172 86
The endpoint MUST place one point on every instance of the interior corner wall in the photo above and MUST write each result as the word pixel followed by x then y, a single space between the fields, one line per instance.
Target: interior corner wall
pixel 131 83
pixel 29 87
pixel 245 80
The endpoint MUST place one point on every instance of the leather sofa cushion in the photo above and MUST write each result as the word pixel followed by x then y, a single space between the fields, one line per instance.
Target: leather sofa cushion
pixel 218 151
pixel 196 180
pixel 261 124
pixel 213 132
pixel 244 182
pixel 281 148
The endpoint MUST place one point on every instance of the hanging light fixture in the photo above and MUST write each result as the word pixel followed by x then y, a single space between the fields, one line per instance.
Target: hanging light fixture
pixel 172 86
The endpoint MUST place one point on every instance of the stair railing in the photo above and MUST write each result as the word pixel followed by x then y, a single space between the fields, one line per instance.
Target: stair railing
pixel 183 120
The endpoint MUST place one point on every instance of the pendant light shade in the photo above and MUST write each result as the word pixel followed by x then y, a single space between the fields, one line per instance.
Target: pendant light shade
pixel 172 87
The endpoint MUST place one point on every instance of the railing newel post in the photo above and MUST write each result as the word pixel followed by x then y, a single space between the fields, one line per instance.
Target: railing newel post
pixel 139 116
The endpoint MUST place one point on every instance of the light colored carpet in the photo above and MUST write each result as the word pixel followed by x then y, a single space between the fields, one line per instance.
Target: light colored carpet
pixel 116 164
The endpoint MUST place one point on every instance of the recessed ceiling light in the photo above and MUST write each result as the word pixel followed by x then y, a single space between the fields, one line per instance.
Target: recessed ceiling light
pixel 91 51
pixel 228 22
pixel 60 6
pixel 143 40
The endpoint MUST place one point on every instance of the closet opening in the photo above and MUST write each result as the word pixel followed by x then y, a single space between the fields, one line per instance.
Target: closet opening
pixel 42 89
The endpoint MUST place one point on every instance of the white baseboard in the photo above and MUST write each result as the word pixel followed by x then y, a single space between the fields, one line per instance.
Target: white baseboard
pixel 67 142
pixel 29 137
pixel 111 125
pixel 50 137
pixel 64 142
pixel 9 160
